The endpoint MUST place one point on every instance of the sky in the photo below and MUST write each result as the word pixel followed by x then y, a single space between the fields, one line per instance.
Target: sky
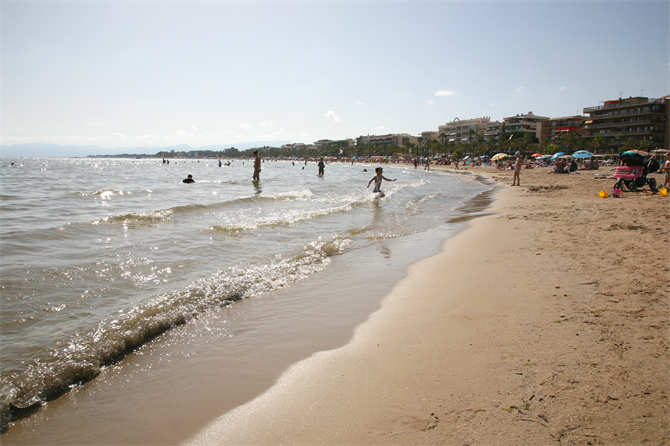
pixel 154 73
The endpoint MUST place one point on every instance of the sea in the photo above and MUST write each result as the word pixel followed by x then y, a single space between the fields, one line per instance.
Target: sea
pixel 136 308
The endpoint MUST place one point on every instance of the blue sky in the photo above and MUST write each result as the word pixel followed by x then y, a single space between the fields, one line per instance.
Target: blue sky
pixel 132 74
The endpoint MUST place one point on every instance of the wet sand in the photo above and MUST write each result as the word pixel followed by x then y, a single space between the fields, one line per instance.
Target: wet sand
pixel 545 322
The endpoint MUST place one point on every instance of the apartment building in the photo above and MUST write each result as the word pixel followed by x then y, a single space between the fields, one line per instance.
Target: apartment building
pixel 526 123
pixel 430 135
pixel 641 118
pixel 398 139
pixel 459 131
pixel 330 143
pixel 555 127
pixel 493 130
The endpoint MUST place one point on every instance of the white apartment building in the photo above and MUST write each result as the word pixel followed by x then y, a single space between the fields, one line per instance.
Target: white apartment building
pixel 525 123
pixel 459 131
pixel 493 130
pixel 397 139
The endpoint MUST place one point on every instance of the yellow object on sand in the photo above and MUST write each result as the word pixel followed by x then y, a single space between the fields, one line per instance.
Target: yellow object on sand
pixel 602 194
pixel 663 192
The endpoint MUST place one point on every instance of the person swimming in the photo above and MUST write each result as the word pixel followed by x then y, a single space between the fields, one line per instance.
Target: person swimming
pixel 189 179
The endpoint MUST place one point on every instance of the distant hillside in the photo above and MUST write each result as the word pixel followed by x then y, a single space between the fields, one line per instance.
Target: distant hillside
pixel 43 150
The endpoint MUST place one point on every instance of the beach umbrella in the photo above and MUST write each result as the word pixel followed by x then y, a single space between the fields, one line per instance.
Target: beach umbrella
pixel 537 155
pixel 639 152
pixel 557 154
pixel 582 154
pixel 498 156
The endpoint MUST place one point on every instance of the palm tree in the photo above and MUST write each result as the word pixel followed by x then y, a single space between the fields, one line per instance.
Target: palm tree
pixel 443 137
pixel 630 144
pixel 572 139
pixel 598 143
pixel 618 138
pixel 470 133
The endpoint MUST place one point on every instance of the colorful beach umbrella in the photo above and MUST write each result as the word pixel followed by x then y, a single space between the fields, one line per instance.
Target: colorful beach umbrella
pixel 582 154
pixel 639 152
pixel 537 155
pixel 557 154
pixel 498 156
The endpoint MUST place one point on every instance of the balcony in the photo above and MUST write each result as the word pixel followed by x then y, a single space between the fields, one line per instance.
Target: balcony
pixel 619 105
pixel 622 124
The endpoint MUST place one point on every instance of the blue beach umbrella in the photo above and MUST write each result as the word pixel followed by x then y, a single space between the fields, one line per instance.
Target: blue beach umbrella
pixel 557 154
pixel 582 154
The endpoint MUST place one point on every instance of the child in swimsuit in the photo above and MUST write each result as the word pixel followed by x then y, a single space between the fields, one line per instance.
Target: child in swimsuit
pixel 666 167
pixel 378 181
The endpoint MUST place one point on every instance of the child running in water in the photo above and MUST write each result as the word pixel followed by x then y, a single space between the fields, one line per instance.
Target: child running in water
pixel 378 181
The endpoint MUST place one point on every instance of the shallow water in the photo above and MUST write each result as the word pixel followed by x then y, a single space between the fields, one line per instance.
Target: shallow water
pixel 102 256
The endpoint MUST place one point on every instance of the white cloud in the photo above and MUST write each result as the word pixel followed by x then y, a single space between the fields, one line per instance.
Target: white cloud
pixel 332 116
pixel 429 102
pixel 445 93
pixel 244 125
pixel 562 87
pixel 359 102
pixel 193 129
pixel 520 89
pixel 96 123
pixel 381 127
pixel 267 124
pixel 119 135
pixel 146 137
pixel 493 105
pixel 303 135
pixel 281 133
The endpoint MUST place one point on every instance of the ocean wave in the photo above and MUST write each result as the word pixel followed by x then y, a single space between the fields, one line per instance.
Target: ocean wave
pixel 85 356
pixel 302 193
pixel 277 219
pixel 165 215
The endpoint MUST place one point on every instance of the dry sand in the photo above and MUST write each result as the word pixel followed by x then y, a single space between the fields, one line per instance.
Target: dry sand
pixel 545 322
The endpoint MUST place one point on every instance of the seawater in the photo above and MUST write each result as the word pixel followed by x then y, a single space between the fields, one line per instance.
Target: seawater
pixel 101 256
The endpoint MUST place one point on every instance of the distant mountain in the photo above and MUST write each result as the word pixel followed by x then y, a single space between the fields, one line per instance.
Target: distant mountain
pixel 47 150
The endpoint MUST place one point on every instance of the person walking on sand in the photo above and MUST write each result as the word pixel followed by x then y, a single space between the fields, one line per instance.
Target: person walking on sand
pixel 517 170
pixel 257 166
pixel 378 181
pixel 321 167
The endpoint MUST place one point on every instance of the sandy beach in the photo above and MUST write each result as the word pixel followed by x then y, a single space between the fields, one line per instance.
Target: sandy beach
pixel 544 322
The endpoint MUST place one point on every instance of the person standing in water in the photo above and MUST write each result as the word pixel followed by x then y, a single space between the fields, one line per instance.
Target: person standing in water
pixel 257 166
pixel 321 167
pixel 378 181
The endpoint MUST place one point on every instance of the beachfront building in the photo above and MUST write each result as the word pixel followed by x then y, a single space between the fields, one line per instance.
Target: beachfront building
pixel 555 128
pixel 341 143
pixel 397 139
pixel 492 130
pixel 525 123
pixel 640 118
pixel 427 136
pixel 464 131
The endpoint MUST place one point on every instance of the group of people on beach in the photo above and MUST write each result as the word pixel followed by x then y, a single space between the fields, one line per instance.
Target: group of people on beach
pixel 378 178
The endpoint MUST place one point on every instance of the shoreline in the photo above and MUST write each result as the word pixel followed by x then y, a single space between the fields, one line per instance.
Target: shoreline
pixel 218 379
pixel 546 321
